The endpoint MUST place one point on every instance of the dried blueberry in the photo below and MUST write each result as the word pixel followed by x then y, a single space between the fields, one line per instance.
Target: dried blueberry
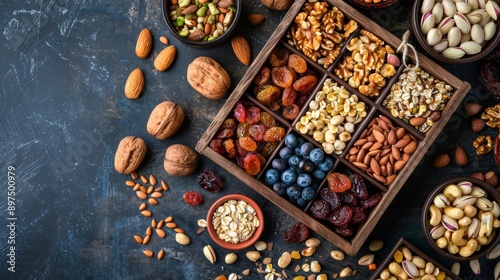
pixel 272 176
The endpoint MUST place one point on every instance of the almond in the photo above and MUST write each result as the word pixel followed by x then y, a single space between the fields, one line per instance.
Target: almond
pixel 165 58
pixel 478 175
pixel 134 84
pixel 256 19
pixel 472 108
pixel 144 43
pixel 441 161
pixel 379 136
pixel 410 148
pixel 241 49
pixel 461 157
pixel 392 138
pixel 374 165
pixel 398 165
pixel 477 125
pixel 416 121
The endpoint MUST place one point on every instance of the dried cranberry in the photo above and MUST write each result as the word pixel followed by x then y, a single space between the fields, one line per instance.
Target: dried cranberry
pixel 345 232
pixel 241 152
pixel 252 115
pixel 320 209
pixel 224 133
pixel 296 233
pixel 239 112
pixel 217 146
pixel 341 216
pixel 359 215
pixel 372 201
pixel 332 198
pixel 359 186
pixel 209 181
pixel 229 124
pixel 349 198
pixel 193 198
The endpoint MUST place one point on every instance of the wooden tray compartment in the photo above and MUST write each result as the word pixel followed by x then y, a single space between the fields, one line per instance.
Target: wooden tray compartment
pixel 278 39
pixel 416 252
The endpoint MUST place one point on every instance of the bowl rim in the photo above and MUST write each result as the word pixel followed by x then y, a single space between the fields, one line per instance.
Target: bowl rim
pixel 415 26
pixel 219 40
pixel 364 5
pixel 425 217
pixel 242 245
pixel 496 149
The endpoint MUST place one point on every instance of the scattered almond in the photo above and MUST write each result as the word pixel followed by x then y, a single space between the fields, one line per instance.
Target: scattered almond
pixel 161 254
pixel 146 213
pixel 441 161
pixel 144 43
pixel 241 49
pixel 477 125
pixel 161 233
pixel 138 239
pixel 134 84
pixel 165 58
pixel 478 175
pixel 461 157
pixel 148 253
pixel 164 40
pixel 416 121
pixel 472 109
pixel 256 19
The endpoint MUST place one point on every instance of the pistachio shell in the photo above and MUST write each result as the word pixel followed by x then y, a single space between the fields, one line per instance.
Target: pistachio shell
pixel 441 46
pixel 478 192
pixel 496 271
pixel 471 47
pixel 474 4
pixel 463 7
pixel 475 16
pixel 477 33
pixel 465 38
pixel 489 30
pixel 474 265
pixel 427 22
pixel 427 6
pixel 462 22
pixel 466 187
pixel 441 201
pixel 492 9
pixel 481 3
pixel 485 18
pixel 463 201
pixel 473 229
pixel 454 36
pixel 446 24
pixel 437 231
pixel 438 12
pixel 483 204
pixel 449 223
pixel 449 7
pixel 434 36
pixel 410 268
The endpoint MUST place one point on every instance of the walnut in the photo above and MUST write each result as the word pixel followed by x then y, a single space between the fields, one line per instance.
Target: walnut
pixel 372 37
pixel 165 120
pixel 344 68
pixel 319 9
pixel 357 75
pixel 129 154
pixel 349 28
pixel 208 77
pixel 492 116
pixel 180 160
pixel 376 80
pixel 332 55
pixel 354 44
pixel 483 144
pixel 388 70
pixel 367 90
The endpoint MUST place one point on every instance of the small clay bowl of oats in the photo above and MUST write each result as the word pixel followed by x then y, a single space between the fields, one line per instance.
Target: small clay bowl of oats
pixel 235 222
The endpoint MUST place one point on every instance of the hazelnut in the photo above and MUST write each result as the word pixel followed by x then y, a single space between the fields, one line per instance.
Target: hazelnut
pixel 180 160
pixel 165 120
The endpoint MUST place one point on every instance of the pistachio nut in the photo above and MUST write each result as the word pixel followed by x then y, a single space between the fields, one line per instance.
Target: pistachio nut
pixel 473 229
pixel 452 191
pixel 477 33
pixel 427 6
pixel 449 223
pixel 475 16
pixel 482 3
pixel 441 46
pixel 366 259
pixel 449 7
pixel 434 36
pixel 463 201
pixel 489 30
pixel 471 47
pixel 427 22
pixel 437 231
pixel 455 268
pixel 474 4
pixel 496 271
pixel 492 9
pixel 454 212
pixel 483 204
pixel 463 7
pixel 495 210
pixel 466 187
pixel 462 22
pixel 495 253
pixel 438 12
pixel 465 38
pixel 478 192
pixel 474 264
pixel 441 201
pixel 485 18
pixel 209 253
pixel 446 24
pixel 410 268
pixel 454 36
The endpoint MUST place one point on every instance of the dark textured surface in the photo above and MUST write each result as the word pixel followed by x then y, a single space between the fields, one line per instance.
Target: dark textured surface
pixel 63 65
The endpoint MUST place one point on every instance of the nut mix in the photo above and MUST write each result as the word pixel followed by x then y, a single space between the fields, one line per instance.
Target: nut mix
pixel 235 221
pixel 417 98
pixel 332 117
pixel 463 219
pixel 202 20
pixel 320 32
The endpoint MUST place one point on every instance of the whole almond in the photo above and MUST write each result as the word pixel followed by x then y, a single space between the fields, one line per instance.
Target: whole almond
pixel 441 161
pixel 379 136
pixel 410 148
pixel 398 165
pixel 472 108
pixel 402 142
pixel 416 121
pixel 374 165
pixel 241 49
pixel 165 58
pixel 134 84
pixel 148 253
pixel 392 138
pixel 256 19
pixel 477 125
pixel 144 43
pixel 461 157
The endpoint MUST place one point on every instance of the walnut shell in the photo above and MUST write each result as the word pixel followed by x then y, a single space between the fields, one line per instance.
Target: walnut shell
pixel 129 154
pixel 180 160
pixel 165 120
pixel 208 77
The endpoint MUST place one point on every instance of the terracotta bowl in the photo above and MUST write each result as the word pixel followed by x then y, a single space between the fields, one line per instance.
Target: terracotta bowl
pixel 416 17
pixel 240 245
pixel 366 5
pixel 492 195
pixel 167 8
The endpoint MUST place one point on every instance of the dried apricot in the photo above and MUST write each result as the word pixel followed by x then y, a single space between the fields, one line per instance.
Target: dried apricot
pixel 253 114
pixel 269 148
pixel 297 63
pixel 267 119
pixel 263 76
pixel 282 76
pixel 268 94
pixel 239 112
pixel 252 164
pixel 338 182
pixel 291 112
pixel 305 84
pixel 248 143
pixel 261 158
pixel 279 57
pixel 289 96
pixel 274 134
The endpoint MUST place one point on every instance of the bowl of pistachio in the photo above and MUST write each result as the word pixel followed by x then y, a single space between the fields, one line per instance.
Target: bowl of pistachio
pixel 456 32
pixel 201 23
pixel 460 218
pixel 373 4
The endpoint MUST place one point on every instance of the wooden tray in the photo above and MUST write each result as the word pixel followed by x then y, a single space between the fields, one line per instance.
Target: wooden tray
pixel 416 252
pixel 351 246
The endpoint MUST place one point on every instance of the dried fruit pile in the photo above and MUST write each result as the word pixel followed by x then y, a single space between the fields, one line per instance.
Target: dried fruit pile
pixel 490 72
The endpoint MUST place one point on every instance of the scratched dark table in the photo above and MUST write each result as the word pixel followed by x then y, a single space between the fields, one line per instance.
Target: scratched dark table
pixel 63 66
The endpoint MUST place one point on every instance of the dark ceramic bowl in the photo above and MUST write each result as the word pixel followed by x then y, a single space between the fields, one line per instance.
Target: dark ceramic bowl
pixel 168 8
pixel 416 16
pixel 492 195
pixel 366 5
pixel 240 245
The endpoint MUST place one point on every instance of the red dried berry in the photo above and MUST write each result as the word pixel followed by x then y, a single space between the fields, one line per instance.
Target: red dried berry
pixel 193 198
pixel 209 181
pixel 239 112
pixel 296 233
pixel 341 217
pixel 252 115
pixel 320 209
pixel 252 164
pixel 332 198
